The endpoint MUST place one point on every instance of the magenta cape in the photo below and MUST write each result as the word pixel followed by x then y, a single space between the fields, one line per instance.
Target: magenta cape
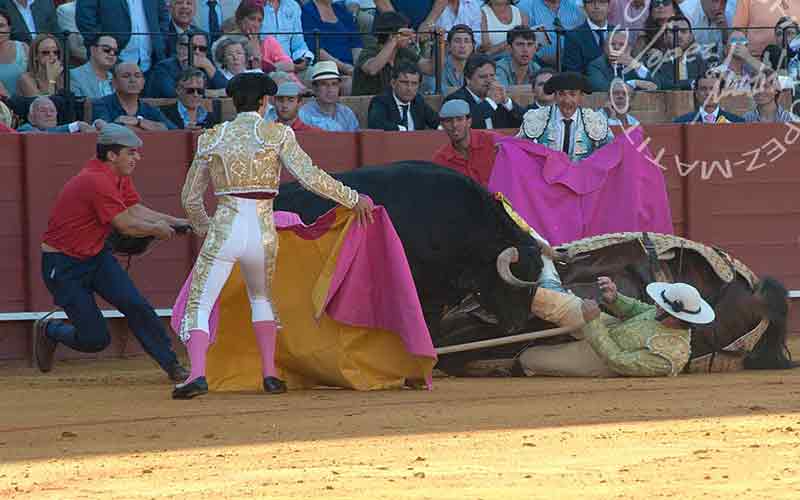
pixel 370 285
pixel 616 189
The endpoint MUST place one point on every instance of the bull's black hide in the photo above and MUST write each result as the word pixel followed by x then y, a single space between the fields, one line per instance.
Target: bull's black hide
pixel 452 231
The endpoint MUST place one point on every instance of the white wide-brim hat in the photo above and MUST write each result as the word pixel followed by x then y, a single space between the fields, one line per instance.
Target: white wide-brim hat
pixel 681 301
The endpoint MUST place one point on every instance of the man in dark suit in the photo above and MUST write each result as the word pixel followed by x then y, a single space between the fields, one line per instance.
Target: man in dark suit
pixel 585 43
pixel 43 13
pixel 707 92
pixel 617 62
pixel 402 107
pixel 687 56
pixel 490 106
pixel 188 111
pixel 181 15
pixel 122 17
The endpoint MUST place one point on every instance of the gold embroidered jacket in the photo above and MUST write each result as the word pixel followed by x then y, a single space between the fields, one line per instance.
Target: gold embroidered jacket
pixel 245 155
pixel 639 346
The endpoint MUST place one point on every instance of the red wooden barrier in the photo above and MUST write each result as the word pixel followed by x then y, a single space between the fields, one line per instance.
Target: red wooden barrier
pixel 666 147
pixel 13 273
pixel 742 194
pixel 50 160
pixel 754 213
pixel 379 147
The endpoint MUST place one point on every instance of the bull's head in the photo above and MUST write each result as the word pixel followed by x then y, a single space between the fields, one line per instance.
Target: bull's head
pixel 510 288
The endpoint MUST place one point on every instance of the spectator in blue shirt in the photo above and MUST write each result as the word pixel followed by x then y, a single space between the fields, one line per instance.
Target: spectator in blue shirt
pixel 416 11
pixel 162 82
pixel 339 47
pixel 282 19
pixel 326 112
pixel 125 106
pixel 565 16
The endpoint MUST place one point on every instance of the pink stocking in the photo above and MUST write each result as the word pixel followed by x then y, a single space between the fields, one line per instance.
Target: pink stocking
pixel 266 334
pixel 197 346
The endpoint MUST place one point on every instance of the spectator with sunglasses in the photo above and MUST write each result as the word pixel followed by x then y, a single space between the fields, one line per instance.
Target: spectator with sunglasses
pixel 163 81
pixel 93 79
pixel 188 111
pixel 45 75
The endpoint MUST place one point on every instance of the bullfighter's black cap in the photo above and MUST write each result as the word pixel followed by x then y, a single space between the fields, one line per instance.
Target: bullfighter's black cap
pixel 253 83
pixel 568 80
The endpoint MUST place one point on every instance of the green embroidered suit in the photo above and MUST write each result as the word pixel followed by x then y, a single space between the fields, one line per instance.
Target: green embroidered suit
pixel 638 346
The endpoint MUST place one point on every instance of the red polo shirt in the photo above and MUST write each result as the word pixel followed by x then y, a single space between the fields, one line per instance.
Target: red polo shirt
pixel 80 220
pixel 481 156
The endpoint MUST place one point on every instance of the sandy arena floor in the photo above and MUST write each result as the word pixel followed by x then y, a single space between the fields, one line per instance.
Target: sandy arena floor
pixel 108 429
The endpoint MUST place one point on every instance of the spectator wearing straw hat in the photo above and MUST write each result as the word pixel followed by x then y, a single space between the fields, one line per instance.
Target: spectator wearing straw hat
pixel 325 111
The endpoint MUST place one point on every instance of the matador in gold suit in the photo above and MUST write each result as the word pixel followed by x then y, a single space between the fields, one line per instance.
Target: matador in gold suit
pixel 242 159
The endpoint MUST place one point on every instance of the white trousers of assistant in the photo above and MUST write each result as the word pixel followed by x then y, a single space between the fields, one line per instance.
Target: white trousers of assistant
pixel 243 231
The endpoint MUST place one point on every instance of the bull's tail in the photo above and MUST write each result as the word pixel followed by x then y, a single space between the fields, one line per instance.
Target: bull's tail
pixel 771 352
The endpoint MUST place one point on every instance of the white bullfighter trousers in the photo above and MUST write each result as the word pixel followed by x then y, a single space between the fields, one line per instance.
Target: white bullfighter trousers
pixel 243 231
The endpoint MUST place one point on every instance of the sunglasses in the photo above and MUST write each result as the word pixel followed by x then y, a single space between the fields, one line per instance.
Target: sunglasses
pixel 108 49
pixel 49 52
pixel 195 91
pixel 201 48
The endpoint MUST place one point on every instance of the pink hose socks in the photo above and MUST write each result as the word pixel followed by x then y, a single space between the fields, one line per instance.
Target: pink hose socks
pixel 197 346
pixel 266 335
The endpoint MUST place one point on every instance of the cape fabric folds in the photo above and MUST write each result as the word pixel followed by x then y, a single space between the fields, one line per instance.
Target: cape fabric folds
pixel 348 308
pixel 616 189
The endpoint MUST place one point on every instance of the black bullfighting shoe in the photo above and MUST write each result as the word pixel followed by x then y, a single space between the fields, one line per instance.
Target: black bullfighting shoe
pixel 274 385
pixel 44 348
pixel 177 373
pixel 196 387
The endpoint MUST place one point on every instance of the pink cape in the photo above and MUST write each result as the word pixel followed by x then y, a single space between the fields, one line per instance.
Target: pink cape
pixel 616 189
pixel 372 286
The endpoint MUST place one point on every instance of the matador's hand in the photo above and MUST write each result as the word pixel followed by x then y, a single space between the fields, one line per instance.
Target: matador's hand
pixel 608 289
pixel 363 210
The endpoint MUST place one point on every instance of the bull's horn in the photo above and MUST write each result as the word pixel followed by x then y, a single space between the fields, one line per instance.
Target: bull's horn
pixel 504 260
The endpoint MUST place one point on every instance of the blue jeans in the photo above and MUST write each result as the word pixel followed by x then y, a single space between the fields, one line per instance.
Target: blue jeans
pixel 73 283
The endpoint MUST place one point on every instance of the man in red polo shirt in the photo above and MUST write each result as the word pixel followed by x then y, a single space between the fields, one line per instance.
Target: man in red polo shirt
pixel 287 105
pixel 76 262
pixel 470 151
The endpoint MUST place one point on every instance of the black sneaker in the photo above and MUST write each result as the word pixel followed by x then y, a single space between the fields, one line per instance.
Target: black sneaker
pixel 274 385
pixel 196 387
pixel 44 348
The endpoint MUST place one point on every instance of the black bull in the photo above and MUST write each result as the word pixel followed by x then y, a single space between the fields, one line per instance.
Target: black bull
pixel 452 230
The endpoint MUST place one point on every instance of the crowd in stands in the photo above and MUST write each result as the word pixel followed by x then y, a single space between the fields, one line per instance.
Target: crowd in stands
pixel 120 53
